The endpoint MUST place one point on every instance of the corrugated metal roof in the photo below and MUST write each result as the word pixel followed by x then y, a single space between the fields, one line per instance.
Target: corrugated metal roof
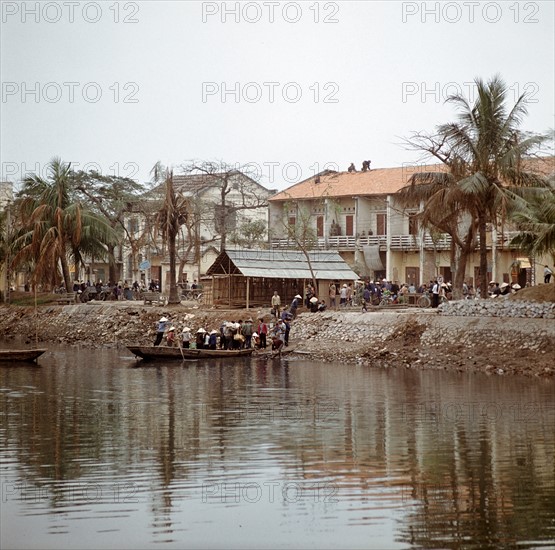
pixel 284 264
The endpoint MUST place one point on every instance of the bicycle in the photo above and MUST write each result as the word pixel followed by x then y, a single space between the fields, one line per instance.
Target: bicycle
pixel 387 299
pixel 426 301
pixel 192 295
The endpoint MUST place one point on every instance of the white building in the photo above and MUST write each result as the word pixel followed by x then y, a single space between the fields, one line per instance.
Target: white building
pixel 222 207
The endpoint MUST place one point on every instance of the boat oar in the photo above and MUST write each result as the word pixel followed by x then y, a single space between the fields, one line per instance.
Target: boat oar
pixel 181 350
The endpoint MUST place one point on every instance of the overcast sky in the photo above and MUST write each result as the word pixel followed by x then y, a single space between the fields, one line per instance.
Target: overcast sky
pixel 286 86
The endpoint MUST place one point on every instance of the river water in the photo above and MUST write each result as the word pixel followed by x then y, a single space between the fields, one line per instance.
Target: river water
pixel 99 450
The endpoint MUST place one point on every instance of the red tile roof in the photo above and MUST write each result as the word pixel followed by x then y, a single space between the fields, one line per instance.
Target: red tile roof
pixel 380 181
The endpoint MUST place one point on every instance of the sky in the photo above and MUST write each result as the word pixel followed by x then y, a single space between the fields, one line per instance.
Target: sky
pixel 287 88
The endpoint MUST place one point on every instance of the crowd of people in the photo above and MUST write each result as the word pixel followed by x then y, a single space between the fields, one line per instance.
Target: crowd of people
pixel 367 293
pixel 231 335
pixel 234 335
pixel 123 290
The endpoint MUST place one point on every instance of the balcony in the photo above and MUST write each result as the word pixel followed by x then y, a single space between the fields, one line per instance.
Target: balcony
pixel 404 243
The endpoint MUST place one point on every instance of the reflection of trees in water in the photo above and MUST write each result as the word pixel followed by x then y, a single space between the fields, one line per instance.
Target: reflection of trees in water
pixel 457 478
pixel 480 486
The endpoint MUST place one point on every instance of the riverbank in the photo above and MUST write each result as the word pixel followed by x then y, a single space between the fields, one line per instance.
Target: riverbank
pixel 404 338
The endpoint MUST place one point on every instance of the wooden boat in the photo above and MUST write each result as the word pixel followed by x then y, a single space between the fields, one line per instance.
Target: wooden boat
pixel 20 354
pixel 162 352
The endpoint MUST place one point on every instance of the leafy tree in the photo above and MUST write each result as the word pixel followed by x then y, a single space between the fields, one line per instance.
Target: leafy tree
pixel 250 234
pixel 115 198
pixel 56 226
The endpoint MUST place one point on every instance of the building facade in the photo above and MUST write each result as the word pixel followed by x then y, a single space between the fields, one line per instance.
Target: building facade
pixel 359 215
pixel 222 207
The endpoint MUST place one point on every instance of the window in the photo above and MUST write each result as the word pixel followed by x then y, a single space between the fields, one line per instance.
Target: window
pixel 381 224
pixel 319 226
pixel 412 276
pixel 349 225
pixel 133 225
pixel 413 224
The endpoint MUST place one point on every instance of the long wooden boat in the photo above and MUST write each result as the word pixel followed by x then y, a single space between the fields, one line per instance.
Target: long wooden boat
pixel 20 354
pixel 162 352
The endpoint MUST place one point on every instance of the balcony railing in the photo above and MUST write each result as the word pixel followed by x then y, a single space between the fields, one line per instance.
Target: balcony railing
pixel 398 242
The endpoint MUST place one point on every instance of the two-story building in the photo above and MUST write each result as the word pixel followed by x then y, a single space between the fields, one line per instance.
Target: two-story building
pixel 358 214
pixel 223 206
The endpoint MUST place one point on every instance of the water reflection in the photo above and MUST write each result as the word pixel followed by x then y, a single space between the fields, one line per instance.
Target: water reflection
pixel 99 450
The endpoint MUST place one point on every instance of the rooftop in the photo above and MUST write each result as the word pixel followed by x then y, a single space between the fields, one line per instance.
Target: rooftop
pixel 380 181
pixel 279 264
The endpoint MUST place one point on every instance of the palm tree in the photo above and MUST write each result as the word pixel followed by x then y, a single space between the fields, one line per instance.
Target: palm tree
pixel 171 216
pixel 445 208
pixel 536 222
pixel 486 155
pixel 55 226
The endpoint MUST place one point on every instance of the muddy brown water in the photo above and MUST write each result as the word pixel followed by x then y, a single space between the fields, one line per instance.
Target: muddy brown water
pixel 98 450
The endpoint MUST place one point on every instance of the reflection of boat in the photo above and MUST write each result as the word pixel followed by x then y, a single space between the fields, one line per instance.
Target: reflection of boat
pixel 160 352
pixel 20 354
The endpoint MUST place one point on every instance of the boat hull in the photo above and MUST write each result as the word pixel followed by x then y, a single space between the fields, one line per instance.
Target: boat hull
pixel 20 354
pixel 160 352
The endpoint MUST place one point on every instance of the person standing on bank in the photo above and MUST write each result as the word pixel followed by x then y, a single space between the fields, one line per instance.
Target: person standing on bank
pixel 435 293
pixel 332 294
pixel 276 303
pixel 295 305
pixel 160 329
pixel 547 274
pixel 262 332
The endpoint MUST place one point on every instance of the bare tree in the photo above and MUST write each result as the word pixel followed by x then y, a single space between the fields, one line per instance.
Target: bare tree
pixel 302 233
pixel 235 190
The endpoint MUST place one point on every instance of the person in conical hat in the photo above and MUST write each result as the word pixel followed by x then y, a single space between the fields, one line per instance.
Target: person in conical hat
pixel 186 337
pixel 160 329
pixel 199 339
pixel 170 337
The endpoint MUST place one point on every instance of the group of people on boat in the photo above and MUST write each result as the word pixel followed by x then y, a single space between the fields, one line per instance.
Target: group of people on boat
pixel 230 336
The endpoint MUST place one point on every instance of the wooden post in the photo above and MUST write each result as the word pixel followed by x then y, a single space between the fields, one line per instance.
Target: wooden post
pixel 36 318
pixel 229 282
pixel 248 289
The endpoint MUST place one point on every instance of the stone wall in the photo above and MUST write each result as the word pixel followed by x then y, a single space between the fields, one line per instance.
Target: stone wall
pixel 498 307
pixel 428 340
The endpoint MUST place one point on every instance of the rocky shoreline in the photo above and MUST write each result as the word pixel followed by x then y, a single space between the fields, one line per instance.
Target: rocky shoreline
pixel 406 338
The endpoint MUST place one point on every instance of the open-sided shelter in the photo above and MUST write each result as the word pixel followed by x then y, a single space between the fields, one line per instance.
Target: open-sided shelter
pixel 248 278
